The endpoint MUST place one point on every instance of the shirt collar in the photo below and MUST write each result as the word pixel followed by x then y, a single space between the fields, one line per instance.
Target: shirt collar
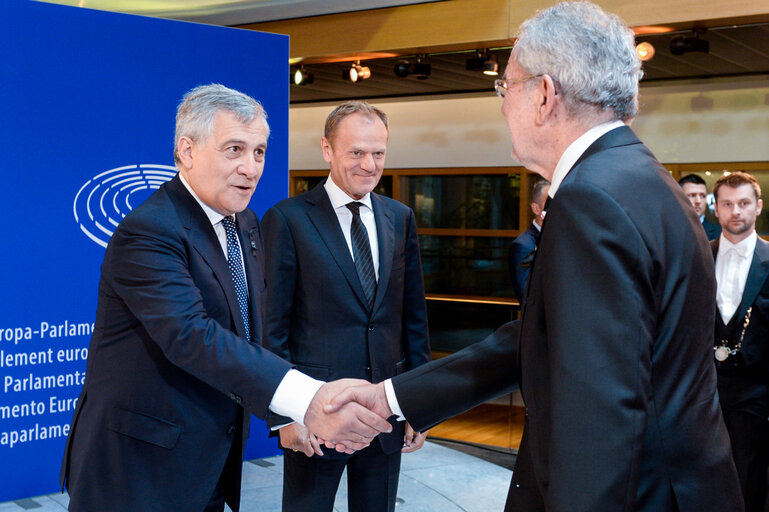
pixel 212 214
pixel 339 197
pixel 575 150
pixel 744 247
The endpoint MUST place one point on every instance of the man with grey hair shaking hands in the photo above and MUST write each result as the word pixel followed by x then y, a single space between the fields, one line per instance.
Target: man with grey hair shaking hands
pixel 613 352
pixel 175 364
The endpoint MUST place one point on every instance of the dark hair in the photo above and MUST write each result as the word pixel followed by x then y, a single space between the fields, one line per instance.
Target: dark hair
pixel 692 178
pixel 538 189
pixel 737 179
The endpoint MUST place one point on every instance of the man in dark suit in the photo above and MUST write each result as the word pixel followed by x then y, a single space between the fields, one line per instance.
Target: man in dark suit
pixel 175 366
pixel 742 331
pixel 330 318
pixel 614 358
pixel 696 190
pixel 524 244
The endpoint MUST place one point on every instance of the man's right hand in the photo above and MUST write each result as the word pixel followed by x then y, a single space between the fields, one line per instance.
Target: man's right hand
pixel 350 426
pixel 371 396
pixel 298 438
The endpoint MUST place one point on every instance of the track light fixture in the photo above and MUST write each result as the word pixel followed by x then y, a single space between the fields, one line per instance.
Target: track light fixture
pixel 356 72
pixel 491 66
pixel 301 76
pixel 680 44
pixel 420 68
pixel 484 61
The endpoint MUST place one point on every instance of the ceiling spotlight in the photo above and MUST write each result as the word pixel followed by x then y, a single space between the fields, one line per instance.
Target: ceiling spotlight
pixel 491 66
pixel 420 69
pixel 645 51
pixel 356 72
pixel 680 44
pixel 301 76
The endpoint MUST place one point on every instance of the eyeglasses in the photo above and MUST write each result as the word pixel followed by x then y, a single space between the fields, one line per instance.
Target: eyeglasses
pixel 501 85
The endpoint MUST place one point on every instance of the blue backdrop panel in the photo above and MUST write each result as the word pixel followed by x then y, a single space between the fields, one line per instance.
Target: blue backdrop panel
pixel 87 134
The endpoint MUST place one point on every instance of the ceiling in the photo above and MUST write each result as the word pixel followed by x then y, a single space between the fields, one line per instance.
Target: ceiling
pixel 234 12
pixel 734 51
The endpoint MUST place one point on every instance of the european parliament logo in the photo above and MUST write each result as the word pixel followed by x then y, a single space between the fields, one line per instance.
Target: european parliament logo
pixel 103 201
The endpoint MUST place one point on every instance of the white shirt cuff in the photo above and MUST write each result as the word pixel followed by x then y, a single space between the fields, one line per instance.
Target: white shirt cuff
pixel 294 394
pixel 392 400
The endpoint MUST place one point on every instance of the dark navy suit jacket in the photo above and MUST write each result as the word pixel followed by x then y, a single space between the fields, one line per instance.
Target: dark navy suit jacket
pixel 317 313
pixel 748 390
pixel 521 247
pixel 712 231
pixel 169 374
pixel 615 354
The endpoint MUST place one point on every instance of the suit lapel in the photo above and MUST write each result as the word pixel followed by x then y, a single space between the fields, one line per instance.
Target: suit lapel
pixel 203 238
pixel 251 246
pixel 323 217
pixel 621 136
pixel 759 271
pixel 386 239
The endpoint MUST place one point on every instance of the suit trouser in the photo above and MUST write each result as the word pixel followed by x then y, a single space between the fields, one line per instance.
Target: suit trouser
pixel 310 483
pixel 227 479
pixel 749 435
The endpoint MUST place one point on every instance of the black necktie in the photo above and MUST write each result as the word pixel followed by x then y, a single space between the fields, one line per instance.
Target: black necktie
pixel 361 250
pixel 238 274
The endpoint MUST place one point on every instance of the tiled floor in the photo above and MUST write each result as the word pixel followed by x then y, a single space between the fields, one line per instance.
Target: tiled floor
pixel 434 478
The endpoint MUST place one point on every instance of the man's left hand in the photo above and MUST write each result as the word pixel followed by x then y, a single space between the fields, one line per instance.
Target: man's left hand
pixel 413 441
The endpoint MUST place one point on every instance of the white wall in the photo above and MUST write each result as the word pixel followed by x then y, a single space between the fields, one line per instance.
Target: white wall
pixel 703 121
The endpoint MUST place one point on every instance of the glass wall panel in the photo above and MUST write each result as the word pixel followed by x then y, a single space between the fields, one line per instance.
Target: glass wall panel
pixel 483 201
pixel 466 265
pixel 455 325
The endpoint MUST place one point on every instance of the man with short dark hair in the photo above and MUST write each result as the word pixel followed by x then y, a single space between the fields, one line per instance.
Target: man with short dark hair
pixel 696 190
pixel 614 357
pixel 345 298
pixel 175 364
pixel 524 244
pixel 742 331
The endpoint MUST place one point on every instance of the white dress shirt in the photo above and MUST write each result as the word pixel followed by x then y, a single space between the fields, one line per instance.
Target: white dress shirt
pixel 295 392
pixel 575 150
pixel 339 200
pixel 565 163
pixel 732 266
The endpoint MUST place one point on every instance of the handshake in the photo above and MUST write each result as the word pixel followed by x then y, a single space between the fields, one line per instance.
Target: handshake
pixel 345 415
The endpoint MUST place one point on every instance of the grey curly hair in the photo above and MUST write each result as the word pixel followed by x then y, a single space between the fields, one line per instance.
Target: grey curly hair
pixel 589 53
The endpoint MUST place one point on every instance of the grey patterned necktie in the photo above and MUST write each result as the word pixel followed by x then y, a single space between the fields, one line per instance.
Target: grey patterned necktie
pixel 238 274
pixel 361 250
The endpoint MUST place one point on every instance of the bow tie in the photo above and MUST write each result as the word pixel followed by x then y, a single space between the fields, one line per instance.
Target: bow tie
pixel 739 250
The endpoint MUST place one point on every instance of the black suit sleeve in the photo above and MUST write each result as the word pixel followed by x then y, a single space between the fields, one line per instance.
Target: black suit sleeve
pixel 280 269
pixel 149 269
pixel 448 386
pixel 415 333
